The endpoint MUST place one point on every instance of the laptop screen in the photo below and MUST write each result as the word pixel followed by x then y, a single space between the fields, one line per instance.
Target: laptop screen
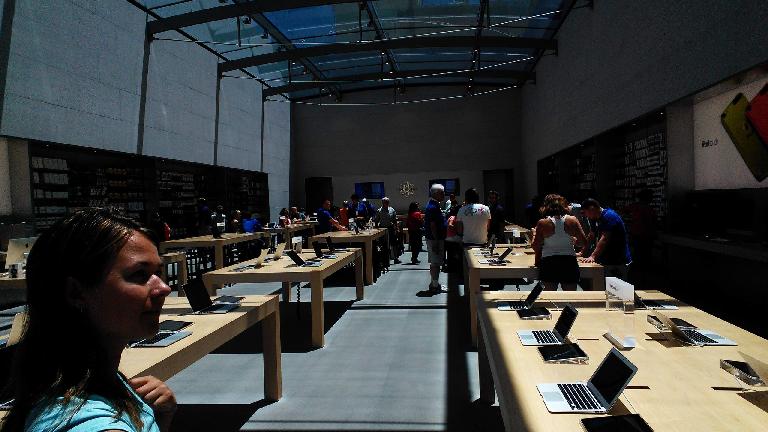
pixel 535 292
pixel 197 295
pixel 565 322
pixel 318 249
pixel 295 257
pixel 505 254
pixel 612 376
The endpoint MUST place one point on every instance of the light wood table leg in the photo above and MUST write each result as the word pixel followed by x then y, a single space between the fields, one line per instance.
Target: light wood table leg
pixel 360 291
pixel 273 374
pixel 287 292
pixel 183 276
pixel 487 390
pixel 471 290
pixel 218 253
pixel 318 312
pixel 369 262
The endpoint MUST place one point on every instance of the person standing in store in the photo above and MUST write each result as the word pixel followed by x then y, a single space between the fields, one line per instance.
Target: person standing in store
pixel 203 217
pixel 435 232
pixel 473 219
pixel 415 224
pixel 386 217
pixel 554 244
pixel 498 222
pixel 325 221
pixel 612 248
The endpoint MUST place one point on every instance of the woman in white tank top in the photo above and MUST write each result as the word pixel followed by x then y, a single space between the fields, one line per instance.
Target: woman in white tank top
pixel 556 234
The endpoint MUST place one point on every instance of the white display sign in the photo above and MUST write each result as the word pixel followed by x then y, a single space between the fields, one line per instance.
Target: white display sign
pixel 619 289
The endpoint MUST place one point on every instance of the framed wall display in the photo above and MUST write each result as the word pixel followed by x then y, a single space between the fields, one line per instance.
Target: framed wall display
pixel 370 190
pixel 451 185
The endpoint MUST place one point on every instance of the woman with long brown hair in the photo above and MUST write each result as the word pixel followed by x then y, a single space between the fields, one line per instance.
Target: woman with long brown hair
pixel 93 284
pixel 553 243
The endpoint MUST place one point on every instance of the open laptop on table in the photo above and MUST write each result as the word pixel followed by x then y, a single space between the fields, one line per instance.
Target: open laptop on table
pixel 256 264
pixel 525 304
pixel 641 303
pixel 169 332
pixel 319 252
pixel 693 336
pixel 556 336
pixel 497 261
pixel 300 261
pixel 598 395
pixel 201 302
pixel 330 246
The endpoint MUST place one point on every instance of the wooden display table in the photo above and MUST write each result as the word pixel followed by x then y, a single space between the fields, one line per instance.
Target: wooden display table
pixel 285 271
pixel 520 265
pixel 367 237
pixel 209 332
pixel 525 233
pixel 207 241
pixel 288 231
pixel 677 387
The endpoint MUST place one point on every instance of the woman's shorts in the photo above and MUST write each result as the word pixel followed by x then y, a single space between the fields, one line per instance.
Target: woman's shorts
pixel 559 268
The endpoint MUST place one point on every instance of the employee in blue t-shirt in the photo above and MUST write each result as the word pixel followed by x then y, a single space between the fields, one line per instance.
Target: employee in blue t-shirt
pixel 612 248
pixel 435 230
pixel 325 221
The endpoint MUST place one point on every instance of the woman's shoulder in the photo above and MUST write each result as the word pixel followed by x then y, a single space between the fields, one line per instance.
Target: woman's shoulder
pixel 93 414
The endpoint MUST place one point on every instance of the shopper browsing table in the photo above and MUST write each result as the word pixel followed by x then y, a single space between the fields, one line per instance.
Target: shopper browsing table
pixel 93 284
pixel 326 222
pixel 553 244
pixel 612 248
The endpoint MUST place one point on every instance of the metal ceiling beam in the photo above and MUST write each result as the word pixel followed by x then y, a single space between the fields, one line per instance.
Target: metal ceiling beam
pixel 403 43
pixel 231 11
pixel 389 87
pixel 380 33
pixel 481 14
pixel 427 73
pixel 278 36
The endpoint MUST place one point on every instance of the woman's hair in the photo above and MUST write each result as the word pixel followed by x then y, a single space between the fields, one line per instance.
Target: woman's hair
pixel 284 212
pixel 554 205
pixel 414 206
pixel 60 354
pixel 471 196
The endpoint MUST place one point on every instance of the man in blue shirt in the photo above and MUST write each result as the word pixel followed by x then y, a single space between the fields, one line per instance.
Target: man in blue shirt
pixel 356 210
pixel 612 248
pixel 325 221
pixel 435 230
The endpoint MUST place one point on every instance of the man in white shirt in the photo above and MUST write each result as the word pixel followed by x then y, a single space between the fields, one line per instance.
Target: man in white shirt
pixel 473 219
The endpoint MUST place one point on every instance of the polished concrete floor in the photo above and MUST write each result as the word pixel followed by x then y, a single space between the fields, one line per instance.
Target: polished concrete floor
pixel 399 360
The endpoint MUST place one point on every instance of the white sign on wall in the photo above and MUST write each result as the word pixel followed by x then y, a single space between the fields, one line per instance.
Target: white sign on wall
pixel 717 162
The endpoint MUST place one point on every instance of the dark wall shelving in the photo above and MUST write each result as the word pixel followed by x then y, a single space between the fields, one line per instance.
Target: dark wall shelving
pixel 66 178
pixel 612 167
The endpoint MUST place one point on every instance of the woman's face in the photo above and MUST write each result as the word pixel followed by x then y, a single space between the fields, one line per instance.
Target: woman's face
pixel 127 304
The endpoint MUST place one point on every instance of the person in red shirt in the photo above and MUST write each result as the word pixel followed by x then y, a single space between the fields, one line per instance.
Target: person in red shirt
pixel 414 223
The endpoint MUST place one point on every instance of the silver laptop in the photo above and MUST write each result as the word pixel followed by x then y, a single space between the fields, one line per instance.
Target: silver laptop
pixel 598 395
pixel 556 336
pixel 17 248
pixel 161 339
pixel 693 336
pixel 300 261
pixel 525 304
pixel 256 264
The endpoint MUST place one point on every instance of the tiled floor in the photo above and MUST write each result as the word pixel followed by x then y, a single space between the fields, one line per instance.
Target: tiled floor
pixel 396 361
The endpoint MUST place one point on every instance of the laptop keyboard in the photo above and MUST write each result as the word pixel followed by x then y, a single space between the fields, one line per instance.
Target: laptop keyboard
pixel 698 337
pixel 156 338
pixel 517 305
pixel 544 336
pixel 578 396
pixel 216 307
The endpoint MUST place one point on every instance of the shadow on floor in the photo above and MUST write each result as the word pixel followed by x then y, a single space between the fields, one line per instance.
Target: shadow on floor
pixel 295 328
pixel 206 417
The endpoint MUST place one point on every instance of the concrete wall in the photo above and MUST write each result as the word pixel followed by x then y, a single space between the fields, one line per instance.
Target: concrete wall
pixel 74 77
pixel 451 138
pixel 5 179
pixel 624 59
pixel 277 154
